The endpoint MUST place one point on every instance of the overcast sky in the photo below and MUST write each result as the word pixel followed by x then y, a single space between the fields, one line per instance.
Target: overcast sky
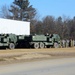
pixel 50 7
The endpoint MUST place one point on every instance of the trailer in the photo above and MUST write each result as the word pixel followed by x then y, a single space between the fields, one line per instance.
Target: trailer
pixel 8 26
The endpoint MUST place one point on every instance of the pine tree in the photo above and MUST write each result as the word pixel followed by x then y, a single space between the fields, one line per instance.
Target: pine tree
pixel 22 10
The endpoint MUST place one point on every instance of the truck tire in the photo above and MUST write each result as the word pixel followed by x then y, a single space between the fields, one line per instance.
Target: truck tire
pixel 56 45
pixel 12 46
pixel 42 45
pixel 36 45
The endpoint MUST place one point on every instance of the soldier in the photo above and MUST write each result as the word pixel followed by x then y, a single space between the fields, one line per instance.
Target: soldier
pixel 63 43
pixel 67 43
pixel 72 43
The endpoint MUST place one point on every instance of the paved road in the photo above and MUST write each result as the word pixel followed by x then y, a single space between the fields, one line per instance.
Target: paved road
pixel 64 66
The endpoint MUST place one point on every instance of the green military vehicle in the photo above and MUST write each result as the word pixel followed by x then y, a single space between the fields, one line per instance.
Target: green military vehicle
pixel 8 40
pixel 39 41
pixel 43 41
pixel 35 41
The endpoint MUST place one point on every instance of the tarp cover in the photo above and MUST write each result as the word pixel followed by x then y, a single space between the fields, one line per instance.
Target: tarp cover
pixel 8 26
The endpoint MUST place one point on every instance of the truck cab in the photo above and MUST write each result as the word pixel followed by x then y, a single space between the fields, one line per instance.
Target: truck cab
pixel 8 40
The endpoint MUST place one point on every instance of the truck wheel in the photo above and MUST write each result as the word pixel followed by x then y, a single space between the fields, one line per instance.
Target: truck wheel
pixel 36 45
pixel 11 45
pixel 56 45
pixel 42 45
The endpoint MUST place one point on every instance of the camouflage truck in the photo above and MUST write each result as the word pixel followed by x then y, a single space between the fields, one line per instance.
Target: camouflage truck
pixel 39 41
pixel 42 41
pixel 8 40
pixel 35 41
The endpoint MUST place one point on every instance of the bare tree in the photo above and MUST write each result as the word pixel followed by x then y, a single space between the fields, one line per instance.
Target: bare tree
pixel 48 24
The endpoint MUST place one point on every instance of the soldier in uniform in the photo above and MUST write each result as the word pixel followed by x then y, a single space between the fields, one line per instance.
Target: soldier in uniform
pixel 63 43
pixel 67 43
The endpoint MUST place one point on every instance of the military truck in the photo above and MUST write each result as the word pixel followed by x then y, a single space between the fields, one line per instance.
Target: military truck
pixel 17 33
pixel 40 41
pixel 29 41
pixel 8 40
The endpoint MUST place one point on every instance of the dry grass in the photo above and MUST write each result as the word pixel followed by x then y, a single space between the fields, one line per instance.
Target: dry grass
pixel 38 50
pixel 28 54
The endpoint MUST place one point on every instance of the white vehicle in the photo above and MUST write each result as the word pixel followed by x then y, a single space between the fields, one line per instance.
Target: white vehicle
pixel 8 26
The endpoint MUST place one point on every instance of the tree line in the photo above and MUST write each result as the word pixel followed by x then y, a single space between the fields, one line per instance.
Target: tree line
pixel 65 27
pixel 22 10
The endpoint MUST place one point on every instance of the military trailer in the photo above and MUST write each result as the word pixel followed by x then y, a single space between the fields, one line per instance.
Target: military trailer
pixel 8 40
pixel 39 41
